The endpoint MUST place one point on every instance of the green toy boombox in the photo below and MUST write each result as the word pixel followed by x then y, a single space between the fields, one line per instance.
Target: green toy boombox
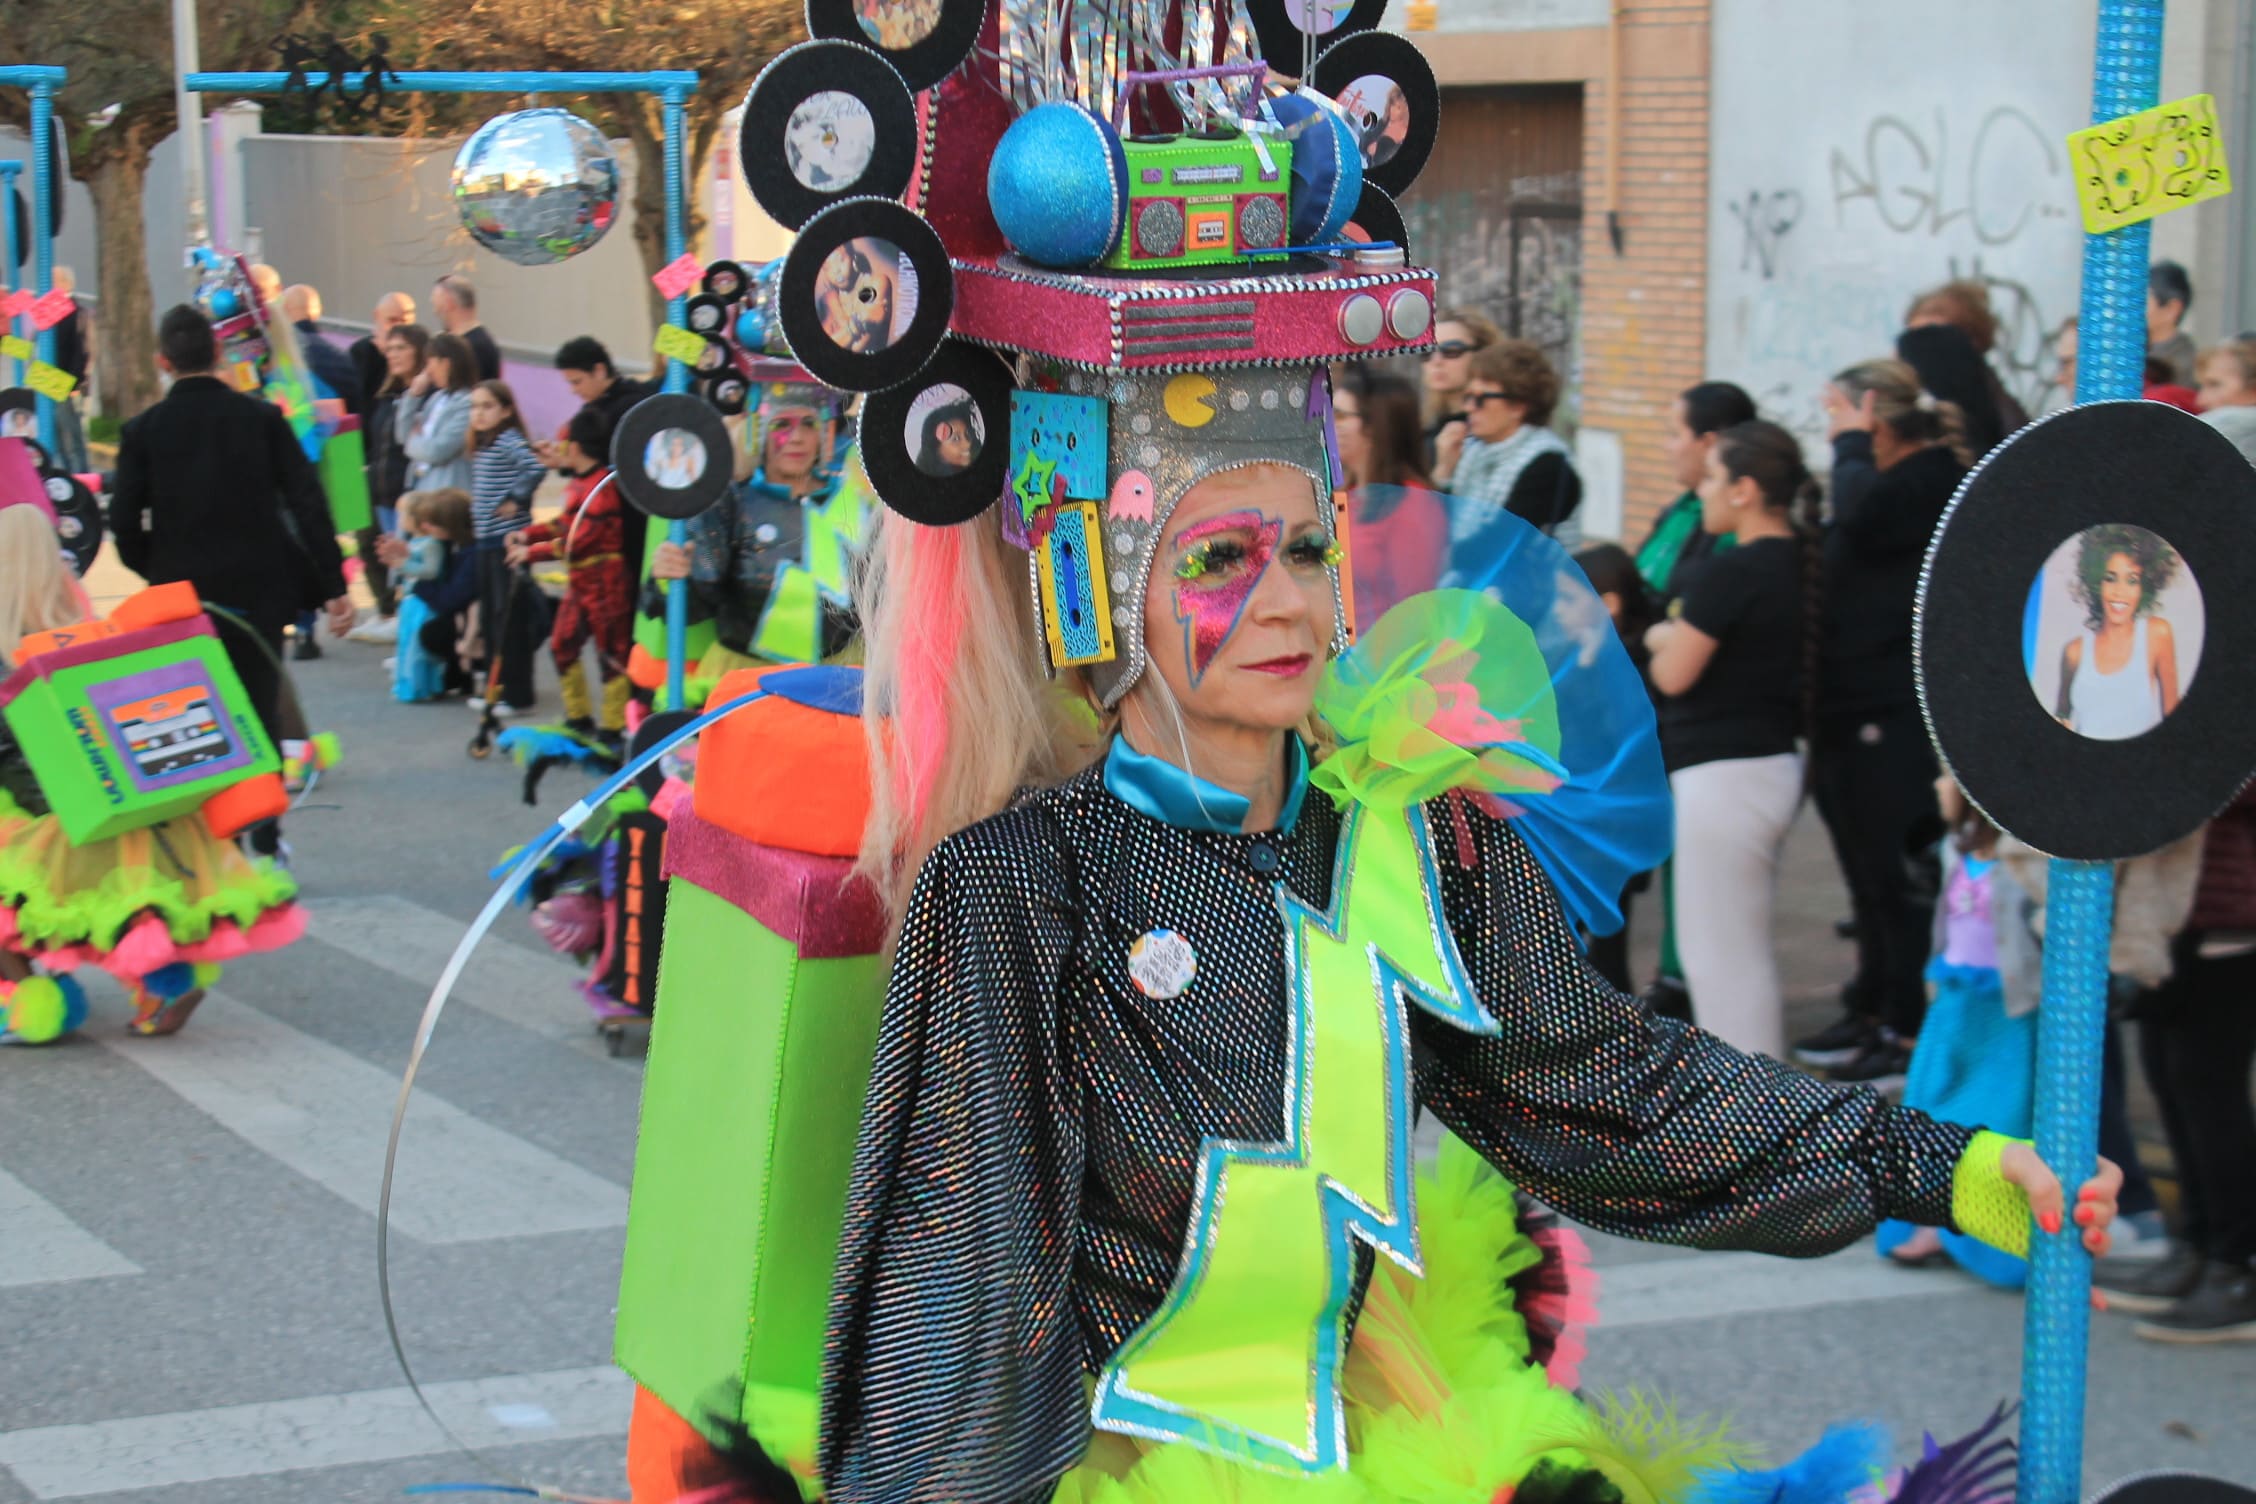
pixel 138 718
pixel 1200 198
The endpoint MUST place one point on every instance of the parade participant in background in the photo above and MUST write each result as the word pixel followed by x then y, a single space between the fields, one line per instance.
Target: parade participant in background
pixel 393 311
pixel 589 535
pixel 334 377
pixel 454 300
pixel 214 488
pixel 1513 464
pixel 1401 531
pixel 1898 457
pixel 596 382
pixel 158 907
pixel 1735 668
pixel 431 420
pixel 737 555
pixel 504 474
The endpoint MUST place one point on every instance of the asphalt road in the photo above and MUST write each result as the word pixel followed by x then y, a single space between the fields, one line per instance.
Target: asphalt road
pixel 188 1306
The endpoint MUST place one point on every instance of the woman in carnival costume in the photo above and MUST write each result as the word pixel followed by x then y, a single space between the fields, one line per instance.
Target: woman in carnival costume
pixel 766 567
pixel 158 907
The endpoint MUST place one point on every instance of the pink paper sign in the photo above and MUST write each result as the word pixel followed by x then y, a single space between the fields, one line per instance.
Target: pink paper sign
pixel 51 310
pixel 16 304
pixel 680 277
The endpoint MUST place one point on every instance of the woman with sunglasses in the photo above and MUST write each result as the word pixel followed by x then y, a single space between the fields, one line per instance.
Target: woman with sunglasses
pixel 1512 462
pixel 1449 365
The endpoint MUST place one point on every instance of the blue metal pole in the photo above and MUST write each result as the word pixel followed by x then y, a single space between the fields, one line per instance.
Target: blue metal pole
pixel 8 171
pixel 677 380
pixel 661 81
pixel 43 237
pixel 2080 897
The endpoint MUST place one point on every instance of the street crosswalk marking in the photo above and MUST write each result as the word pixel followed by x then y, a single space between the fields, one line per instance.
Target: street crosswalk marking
pixel 39 1245
pixel 1714 1286
pixel 325 1113
pixel 529 988
pixel 330 1430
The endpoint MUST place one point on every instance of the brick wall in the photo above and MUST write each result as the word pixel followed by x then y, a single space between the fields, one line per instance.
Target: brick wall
pixel 1644 311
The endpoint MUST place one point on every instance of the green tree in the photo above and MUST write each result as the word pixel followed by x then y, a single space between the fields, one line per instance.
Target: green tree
pixel 115 108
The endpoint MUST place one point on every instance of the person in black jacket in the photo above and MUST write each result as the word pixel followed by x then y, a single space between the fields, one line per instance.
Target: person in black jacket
pixel 1898 456
pixel 393 309
pixel 332 367
pixel 214 488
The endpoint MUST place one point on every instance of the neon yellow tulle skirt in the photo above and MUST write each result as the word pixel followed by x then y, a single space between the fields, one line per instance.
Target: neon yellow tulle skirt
pixel 1459 1385
pixel 134 903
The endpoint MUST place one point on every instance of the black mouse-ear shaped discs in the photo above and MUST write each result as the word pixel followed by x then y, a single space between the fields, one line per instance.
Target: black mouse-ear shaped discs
pixel 1388 90
pixel 1378 217
pixel 865 295
pixel 672 455
pixel 823 122
pixel 924 39
pixel 937 446
pixel 1282 27
pixel 2085 639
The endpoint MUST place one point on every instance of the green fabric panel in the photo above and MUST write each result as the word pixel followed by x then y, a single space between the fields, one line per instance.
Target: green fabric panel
pixel 750 1106
pixel 344 476
pixel 790 629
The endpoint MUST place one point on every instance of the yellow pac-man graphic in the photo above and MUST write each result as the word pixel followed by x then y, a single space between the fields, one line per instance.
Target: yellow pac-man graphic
pixel 2133 168
pixel 1190 400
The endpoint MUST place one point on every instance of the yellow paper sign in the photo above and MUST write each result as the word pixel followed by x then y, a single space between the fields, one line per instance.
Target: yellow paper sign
pixel 52 382
pixel 1422 15
pixel 17 346
pixel 2131 169
pixel 676 343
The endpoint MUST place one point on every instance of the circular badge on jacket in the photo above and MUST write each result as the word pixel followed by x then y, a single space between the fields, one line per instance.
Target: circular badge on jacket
pixel 1388 90
pixel 672 455
pixel 825 121
pixel 936 447
pixel 2085 640
pixel 865 295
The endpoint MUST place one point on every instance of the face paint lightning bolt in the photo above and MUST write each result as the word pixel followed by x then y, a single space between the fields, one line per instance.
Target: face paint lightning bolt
pixel 1219 564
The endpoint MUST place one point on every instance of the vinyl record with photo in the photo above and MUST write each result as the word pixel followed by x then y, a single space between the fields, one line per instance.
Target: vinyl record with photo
pixel 937 446
pixel 924 39
pixel 865 295
pixel 728 392
pixel 1378 219
pixel 2086 634
pixel 19 419
pixel 78 518
pixel 825 121
pixel 1283 27
pixel 672 455
pixel 707 314
pixel 726 280
pixel 1387 88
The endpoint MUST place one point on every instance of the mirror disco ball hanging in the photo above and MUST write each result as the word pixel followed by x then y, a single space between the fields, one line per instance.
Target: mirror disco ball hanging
pixel 536 186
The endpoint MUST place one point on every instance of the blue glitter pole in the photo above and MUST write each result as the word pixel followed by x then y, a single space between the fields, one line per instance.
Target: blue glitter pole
pixel 43 191
pixel 677 380
pixel 8 171
pixel 2080 899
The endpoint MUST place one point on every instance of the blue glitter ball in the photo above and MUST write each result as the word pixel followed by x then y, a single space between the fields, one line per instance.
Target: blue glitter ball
pixel 225 304
pixel 1058 184
pixel 1327 167
pixel 752 329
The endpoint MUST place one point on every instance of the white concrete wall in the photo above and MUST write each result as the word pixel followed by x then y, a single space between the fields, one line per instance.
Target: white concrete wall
pixel 1861 153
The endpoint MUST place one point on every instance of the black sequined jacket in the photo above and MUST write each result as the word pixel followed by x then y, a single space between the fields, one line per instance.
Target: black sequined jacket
pixel 1025 1168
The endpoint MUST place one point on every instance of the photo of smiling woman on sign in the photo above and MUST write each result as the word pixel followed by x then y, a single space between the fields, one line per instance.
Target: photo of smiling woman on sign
pixel 2113 632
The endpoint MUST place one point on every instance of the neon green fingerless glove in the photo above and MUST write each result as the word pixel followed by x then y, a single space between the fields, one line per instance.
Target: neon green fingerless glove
pixel 1985 1205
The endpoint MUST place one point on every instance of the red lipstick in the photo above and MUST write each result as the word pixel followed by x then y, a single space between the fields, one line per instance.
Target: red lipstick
pixel 1284 668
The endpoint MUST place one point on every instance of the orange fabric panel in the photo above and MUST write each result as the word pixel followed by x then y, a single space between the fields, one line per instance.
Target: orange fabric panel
pixel 157 605
pixel 645 669
pixel 240 806
pixel 666 1458
pixel 782 774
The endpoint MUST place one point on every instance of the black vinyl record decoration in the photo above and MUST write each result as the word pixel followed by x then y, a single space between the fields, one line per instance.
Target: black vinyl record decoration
pixel 1278 28
pixel 865 295
pixel 19 419
pixel 2175 1488
pixel 653 730
pixel 826 121
pixel 1387 88
pixel 924 40
pixel 936 447
pixel 707 314
pixel 78 518
pixel 1379 218
pixel 726 280
pixel 2086 633
pixel 728 391
pixel 672 455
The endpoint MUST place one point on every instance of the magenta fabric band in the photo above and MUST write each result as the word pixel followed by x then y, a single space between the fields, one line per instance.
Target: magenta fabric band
pixel 95 648
pixel 815 902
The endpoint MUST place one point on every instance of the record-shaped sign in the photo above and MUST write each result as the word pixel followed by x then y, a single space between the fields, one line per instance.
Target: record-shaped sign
pixel 726 280
pixel 865 295
pixel 2086 634
pixel 923 39
pixel 78 518
pixel 1377 218
pixel 1387 88
pixel 937 446
pixel 19 418
pixel 728 391
pixel 2175 1488
pixel 1284 27
pixel 653 730
pixel 707 314
pixel 672 455
pixel 826 121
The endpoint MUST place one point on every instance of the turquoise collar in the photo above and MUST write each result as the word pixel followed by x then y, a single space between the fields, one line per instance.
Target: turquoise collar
pixel 1166 793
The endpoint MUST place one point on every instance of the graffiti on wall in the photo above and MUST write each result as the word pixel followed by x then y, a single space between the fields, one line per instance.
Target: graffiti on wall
pixel 1519 262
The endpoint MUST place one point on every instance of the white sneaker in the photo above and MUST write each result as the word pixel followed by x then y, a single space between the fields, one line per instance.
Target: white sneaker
pixel 375 629
pixel 502 709
pixel 390 664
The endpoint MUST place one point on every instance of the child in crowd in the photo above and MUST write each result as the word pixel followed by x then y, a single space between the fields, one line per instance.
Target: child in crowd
pixel 505 473
pixel 158 906
pixel 1976 1055
pixel 440 558
pixel 590 536
pixel 2228 393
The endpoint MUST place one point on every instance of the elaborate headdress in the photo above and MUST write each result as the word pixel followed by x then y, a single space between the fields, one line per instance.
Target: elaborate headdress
pixel 1102 251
